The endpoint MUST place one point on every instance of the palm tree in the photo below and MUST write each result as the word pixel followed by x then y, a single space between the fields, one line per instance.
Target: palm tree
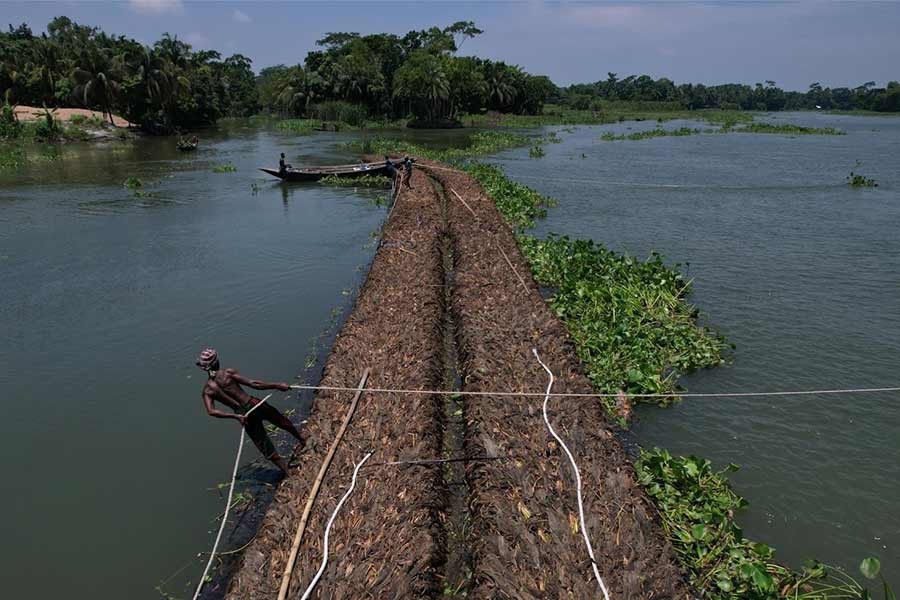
pixel 46 67
pixel 98 79
pixel 501 90
pixel 150 70
pixel 291 93
pixel 423 82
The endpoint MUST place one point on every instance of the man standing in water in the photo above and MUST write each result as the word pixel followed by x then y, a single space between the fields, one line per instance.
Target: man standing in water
pixel 224 386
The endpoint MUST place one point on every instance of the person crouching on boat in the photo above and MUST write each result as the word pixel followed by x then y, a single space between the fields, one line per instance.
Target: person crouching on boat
pixel 224 386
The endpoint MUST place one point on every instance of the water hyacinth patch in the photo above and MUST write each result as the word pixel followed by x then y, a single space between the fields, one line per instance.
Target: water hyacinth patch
pixel 653 133
pixel 519 204
pixel 480 144
pixel 631 325
pixel 370 181
pixel 787 128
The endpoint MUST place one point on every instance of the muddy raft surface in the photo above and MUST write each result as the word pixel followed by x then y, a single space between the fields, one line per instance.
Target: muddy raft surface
pixel 440 270
pixel 526 540
pixel 387 541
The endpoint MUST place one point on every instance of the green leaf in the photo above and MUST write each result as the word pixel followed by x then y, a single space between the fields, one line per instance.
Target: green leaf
pixel 698 532
pixel 690 467
pixel 870 567
pixel 724 585
pixel 763 580
pixel 888 592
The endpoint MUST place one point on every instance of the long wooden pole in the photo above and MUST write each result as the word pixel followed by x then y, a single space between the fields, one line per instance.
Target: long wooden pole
pixel 298 536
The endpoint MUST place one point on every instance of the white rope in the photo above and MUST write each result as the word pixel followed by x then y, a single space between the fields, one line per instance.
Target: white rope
pixel 237 460
pixel 315 580
pixel 331 388
pixel 584 531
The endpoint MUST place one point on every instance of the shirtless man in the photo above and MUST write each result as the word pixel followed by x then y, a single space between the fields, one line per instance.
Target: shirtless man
pixel 224 386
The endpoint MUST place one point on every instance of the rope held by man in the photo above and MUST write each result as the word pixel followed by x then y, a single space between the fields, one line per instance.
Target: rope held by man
pixel 237 462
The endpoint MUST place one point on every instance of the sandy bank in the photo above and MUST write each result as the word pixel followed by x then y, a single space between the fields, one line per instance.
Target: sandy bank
pixel 31 113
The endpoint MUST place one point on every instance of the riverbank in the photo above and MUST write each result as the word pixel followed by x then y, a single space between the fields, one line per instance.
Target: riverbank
pixel 25 126
pixel 74 115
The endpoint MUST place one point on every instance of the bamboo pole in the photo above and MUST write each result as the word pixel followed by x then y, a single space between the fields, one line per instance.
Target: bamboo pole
pixel 298 536
pixel 505 257
pixel 465 203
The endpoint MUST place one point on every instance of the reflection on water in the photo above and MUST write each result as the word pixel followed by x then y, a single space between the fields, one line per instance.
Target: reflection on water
pixel 797 269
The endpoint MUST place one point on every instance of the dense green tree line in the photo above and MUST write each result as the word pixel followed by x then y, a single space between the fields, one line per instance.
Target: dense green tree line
pixel 762 96
pixel 418 74
pixel 349 77
pixel 162 87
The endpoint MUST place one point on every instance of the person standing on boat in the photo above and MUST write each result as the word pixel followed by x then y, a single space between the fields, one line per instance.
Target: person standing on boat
pixel 224 386
pixel 282 167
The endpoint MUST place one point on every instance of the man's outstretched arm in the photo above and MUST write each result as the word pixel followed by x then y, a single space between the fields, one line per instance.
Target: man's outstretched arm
pixel 259 385
pixel 212 411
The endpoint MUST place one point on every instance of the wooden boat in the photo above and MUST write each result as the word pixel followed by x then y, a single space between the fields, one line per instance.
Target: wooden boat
pixel 316 173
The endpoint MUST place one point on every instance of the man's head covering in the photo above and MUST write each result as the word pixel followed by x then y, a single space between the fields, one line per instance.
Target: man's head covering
pixel 207 358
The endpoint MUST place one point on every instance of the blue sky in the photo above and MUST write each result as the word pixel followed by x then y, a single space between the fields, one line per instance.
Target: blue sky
pixel 793 44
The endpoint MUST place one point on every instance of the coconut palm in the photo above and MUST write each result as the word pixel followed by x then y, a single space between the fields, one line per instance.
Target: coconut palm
pixel 98 79
pixel 291 93
pixel 423 83
pixel 501 88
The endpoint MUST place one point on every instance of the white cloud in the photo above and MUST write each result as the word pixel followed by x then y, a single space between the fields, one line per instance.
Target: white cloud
pixel 240 16
pixel 157 7
pixel 197 40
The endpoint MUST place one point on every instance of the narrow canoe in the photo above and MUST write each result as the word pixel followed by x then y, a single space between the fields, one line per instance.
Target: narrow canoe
pixel 316 173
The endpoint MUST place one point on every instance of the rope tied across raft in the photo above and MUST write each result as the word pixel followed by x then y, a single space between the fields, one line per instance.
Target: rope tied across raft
pixel 333 388
pixel 546 395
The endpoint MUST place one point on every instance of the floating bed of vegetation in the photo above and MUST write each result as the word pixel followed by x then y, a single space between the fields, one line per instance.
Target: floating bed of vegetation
pixel 634 330
pixel 309 125
pixel 481 143
pixel 727 127
pixel 697 506
pixel 370 181
pixel 858 180
pixel 632 326
pixel 652 133
pixel 787 128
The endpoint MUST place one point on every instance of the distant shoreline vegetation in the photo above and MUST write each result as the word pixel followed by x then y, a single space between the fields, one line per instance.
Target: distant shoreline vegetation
pixel 354 80
pixel 769 128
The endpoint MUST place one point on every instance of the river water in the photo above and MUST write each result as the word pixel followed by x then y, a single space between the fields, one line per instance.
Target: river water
pixel 112 465
pixel 106 300
pixel 800 272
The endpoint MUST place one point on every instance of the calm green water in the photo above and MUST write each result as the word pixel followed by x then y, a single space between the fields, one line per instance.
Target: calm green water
pixel 802 273
pixel 105 301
